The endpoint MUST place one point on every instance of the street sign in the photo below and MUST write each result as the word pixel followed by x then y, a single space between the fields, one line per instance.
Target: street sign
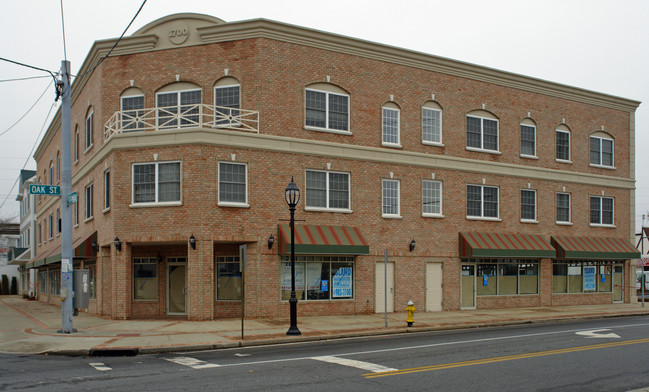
pixel 47 190
pixel 73 198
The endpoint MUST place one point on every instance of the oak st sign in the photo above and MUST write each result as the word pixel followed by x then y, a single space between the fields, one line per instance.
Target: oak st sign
pixel 47 190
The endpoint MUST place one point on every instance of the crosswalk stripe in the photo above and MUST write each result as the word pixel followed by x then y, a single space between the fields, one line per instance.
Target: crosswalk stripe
pixel 371 367
pixel 192 362
pixel 100 366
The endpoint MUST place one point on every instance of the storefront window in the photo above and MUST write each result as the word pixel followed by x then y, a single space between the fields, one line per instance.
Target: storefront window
pixel 92 272
pixel 582 276
pixel 42 282
pixel 55 280
pixel 506 276
pixel 319 277
pixel 228 278
pixel 145 278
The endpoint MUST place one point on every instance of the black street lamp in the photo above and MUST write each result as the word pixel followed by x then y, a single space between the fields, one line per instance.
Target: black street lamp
pixel 292 195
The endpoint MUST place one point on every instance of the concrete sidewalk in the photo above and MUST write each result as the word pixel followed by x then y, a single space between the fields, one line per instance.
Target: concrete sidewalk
pixel 30 327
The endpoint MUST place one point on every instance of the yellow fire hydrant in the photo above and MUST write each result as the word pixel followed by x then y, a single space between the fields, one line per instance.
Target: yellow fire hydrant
pixel 410 309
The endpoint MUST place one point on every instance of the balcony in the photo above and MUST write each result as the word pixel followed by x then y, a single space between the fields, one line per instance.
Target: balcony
pixel 184 116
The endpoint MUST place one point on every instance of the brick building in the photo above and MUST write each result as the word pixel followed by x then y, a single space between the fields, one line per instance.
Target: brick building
pixel 486 189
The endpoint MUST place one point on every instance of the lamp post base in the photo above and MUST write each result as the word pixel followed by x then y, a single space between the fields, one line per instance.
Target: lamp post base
pixel 293 330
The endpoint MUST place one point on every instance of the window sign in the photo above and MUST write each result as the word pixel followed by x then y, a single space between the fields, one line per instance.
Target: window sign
pixel 313 273
pixel 286 276
pixel 485 280
pixel 589 278
pixel 342 283
pixel 324 286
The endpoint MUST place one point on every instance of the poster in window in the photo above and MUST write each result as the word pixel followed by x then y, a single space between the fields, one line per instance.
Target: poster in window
pixel 341 284
pixel 589 278
pixel 286 276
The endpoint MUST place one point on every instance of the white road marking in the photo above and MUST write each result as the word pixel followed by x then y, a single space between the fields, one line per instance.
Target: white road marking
pixel 192 362
pixel 241 355
pixel 370 367
pixel 100 366
pixel 594 334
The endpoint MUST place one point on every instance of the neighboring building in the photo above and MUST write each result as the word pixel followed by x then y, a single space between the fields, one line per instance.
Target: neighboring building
pixel 9 239
pixel 487 189
pixel 26 246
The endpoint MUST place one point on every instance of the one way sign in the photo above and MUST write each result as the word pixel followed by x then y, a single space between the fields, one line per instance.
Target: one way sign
pixel 48 190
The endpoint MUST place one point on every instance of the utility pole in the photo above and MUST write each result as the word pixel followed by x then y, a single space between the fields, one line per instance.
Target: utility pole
pixel 66 209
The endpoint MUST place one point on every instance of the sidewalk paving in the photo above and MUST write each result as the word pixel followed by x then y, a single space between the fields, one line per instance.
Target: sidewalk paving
pixel 30 327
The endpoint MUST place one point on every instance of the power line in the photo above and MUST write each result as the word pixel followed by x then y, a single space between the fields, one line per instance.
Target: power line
pixel 29 66
pixel 28 110
pixel 116 42
pixel 27 78
pixel 30 153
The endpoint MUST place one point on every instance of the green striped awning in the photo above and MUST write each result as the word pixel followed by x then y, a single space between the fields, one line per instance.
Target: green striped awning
pixel 311 239
pixel 496 245
pixel 594 248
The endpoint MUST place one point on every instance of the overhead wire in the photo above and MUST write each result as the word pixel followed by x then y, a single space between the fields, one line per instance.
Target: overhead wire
pixel 30 153
pixel 28 110
pixel 25 78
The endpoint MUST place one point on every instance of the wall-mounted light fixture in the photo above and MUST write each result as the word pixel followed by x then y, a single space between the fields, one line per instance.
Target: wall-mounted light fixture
pixel 412 245
pixel 271 241
pixel 192 241
pixel 118 244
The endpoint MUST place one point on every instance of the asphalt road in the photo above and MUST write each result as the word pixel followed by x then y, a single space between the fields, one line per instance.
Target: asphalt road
pixel 593 355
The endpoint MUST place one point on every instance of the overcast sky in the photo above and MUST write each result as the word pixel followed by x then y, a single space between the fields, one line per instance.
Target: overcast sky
pixel 592 44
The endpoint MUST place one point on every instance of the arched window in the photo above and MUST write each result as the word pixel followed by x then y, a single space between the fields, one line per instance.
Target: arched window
pixel 482 131
pixel 178 99
pixel 431 123
pixel 326 108
pixel 227 99
pixel 562 143
pixel 602 149
pixel 132 103
pixel 528 138
pixel 89 128
pixel 390 125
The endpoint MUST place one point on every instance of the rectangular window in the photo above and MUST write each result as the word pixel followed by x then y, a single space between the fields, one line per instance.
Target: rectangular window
pixel 106 189
pixel 145 278
pixel 327 110
pixel 391 202
pixel 89 130
pixel 431 125
pixel 76 213
pixel 482 133
pixel 601 210
pixel 40 232
pixel 563 145
pixel 76 145
pixel 42 282
pixel 482 201
pixel 319 278
pixel 528 205
pixel 58 221
pixel 528 140
pixel 391 126
pixel 432 198
pixel 55 282
pixel 178 104
pixel 327 190
pixel 228 102
pixel 233 183
pixel 601 151
pixel 563 207
pixel 89 201
pixel 51 226
pixel 156 182
pixel 132 112
pixel 228 278
pixel 582 276
pixel 507 276
pixel 92 280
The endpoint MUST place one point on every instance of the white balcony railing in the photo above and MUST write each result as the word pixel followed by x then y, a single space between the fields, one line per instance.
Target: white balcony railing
pixel 184 116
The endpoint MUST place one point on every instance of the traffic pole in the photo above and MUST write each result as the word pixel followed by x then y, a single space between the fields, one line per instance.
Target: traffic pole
pixel 66 208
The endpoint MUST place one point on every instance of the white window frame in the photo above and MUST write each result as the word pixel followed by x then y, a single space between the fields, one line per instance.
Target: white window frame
pixel 90 124
pixel 76 145
pixel 51 226
pixel 569 221
pixel 396 215
pixel 106 191
pixel 527 220
pixel 327 128
pixel 179 109
pixel 423 127
pixel 556 150
pixel 222 203
pixel 522 154
pixel 157 186
pixel 601 142
pixel 128 124
pixel 482 135
pixel 328 191
pixel 601 212
pixel 89 206
pixel 423 200
pixel 385 130
pixel 482 204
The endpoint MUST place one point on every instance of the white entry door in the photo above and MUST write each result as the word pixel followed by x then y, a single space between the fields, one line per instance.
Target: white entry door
pixel 381 288
pixel 433 287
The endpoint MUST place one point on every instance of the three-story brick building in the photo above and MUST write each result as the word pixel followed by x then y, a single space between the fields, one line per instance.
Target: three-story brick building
pixel 487 189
